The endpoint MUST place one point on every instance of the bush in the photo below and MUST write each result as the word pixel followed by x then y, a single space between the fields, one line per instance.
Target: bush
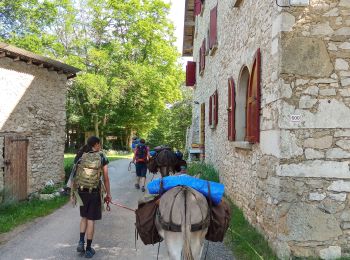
pixel 205 171
pixel 49 189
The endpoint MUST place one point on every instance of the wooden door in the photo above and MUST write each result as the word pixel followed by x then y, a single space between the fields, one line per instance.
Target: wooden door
pixel 15 167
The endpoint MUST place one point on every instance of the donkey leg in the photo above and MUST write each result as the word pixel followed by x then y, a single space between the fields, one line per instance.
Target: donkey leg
pixel 197 242
pixel 174 242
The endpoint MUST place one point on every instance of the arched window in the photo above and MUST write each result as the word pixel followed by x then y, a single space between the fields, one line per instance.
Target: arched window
pixel 241 104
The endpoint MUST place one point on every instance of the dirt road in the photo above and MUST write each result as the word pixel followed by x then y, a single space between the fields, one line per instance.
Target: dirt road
pixel 56 236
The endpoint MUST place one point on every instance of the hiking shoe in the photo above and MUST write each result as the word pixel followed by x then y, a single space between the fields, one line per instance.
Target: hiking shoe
pixel 89 253
pixel 137 186
pixel 80 247
pixel 143 189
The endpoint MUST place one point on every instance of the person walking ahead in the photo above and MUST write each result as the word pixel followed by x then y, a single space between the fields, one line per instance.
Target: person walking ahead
pixel 88 190
pixel 141 157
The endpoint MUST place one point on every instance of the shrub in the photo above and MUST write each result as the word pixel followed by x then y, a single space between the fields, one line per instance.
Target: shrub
pixel 49 189
pixel 205 171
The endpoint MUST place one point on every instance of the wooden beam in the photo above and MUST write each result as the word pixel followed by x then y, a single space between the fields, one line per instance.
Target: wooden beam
pixel 17 58
pixel 30 61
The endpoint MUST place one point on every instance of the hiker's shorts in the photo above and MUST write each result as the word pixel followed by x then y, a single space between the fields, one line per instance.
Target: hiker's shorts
pixel 92 205
pixel 141 169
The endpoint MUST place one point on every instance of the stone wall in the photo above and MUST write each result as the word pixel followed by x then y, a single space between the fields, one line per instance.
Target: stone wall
pixel 32 103
pixel 293 186
pixel 314 165
pixel 248 171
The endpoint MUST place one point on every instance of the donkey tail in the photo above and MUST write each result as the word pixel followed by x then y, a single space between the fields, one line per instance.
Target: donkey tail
pixel 186 232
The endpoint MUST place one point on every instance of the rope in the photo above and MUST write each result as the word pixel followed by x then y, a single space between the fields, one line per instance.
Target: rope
pixel 250 246
pixel 118 205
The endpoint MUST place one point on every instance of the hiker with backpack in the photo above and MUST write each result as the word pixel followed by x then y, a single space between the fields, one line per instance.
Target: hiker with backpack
pixel 87 189
pixel 135 142
pixel 141 157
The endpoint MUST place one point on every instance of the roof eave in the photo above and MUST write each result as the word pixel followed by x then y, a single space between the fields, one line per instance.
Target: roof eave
pixel 189 25
pixel 19 54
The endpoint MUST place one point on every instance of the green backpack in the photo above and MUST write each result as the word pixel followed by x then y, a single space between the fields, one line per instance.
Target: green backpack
pixel 89 171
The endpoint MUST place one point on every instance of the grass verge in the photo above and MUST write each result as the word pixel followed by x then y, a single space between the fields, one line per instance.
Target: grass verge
pixel 15 214
pixel 244 241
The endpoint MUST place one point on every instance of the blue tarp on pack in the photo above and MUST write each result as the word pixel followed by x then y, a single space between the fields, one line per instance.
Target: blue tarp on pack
pixel 216 189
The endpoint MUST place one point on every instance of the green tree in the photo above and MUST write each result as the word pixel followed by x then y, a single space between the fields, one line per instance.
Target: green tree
pixel 173 123
pixel 125 50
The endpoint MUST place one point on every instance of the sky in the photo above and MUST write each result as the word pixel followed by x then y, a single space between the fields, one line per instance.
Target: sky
pixel 177 13
pixel 177 16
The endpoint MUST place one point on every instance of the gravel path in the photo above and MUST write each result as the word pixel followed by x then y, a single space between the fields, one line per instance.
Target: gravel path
pixel 55 236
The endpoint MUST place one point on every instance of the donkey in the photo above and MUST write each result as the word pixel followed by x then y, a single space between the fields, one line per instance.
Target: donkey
pixel 166 161
pixel 182 221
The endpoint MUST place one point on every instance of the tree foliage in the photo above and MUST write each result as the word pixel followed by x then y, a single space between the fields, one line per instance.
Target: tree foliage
pixel 173 123
pixel 125 50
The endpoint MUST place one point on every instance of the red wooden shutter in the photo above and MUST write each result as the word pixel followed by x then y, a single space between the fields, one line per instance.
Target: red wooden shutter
pixel 213 27
pixel 197 7
pixel 216 107
pixel 231 110
pixel 210 110
pixel 191 73
pixel 253 101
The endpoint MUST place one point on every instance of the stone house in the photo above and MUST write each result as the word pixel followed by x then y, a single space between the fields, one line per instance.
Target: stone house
pixel 272 92
pixel 32 121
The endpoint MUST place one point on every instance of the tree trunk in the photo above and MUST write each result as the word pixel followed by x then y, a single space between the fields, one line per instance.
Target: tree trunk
pixel 67 138
pixel 96 126
pixel 104 123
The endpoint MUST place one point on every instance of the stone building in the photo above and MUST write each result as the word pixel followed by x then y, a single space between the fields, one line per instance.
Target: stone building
pixel 273 115
pixel 32 121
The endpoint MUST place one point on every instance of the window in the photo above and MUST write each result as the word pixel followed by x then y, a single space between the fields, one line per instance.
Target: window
pixel 213 109
pixel 213 39
pixel 216 108
pixel 253 101
pixel 241 104
pixel 191 73
pixel 202 58
pixel 210 111
pixel 231 110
